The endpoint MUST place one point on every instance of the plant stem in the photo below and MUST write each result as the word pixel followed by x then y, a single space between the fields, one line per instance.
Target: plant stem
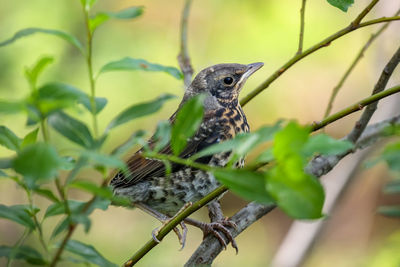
pixel 90 72
pixel 301 37
pixel 326 42
pixel 45 132
pixel 355 107
pixel 36 222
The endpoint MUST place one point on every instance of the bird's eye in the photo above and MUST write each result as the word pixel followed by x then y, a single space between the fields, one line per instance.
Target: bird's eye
pixel 228 80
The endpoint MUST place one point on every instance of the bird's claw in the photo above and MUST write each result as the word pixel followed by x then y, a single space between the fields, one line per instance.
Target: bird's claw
pixel 181 237
pixel 214 228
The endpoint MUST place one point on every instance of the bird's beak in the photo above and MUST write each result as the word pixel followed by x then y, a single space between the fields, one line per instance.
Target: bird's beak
pixel 253 67
pixel 250 69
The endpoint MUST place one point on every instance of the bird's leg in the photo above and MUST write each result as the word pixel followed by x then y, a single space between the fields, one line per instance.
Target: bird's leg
pixel 218 222
pixel 165 220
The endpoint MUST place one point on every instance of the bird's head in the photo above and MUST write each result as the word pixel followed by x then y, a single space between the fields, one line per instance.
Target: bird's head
pixel 221 83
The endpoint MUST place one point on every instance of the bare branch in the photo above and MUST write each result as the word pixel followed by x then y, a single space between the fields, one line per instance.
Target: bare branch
pixel 210 247
pixel 301 37
pixel 183 56
pixel 357 59
pixel 379 87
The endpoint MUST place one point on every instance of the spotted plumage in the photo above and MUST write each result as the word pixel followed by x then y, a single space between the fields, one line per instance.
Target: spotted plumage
pixel 223 119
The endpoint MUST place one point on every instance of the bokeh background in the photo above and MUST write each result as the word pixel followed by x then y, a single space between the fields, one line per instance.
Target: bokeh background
pixel 220 31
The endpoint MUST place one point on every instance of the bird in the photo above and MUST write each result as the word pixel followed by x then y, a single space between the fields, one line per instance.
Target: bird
pixel 162 195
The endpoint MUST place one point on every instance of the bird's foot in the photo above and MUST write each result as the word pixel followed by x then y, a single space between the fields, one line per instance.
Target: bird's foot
pixel 215 228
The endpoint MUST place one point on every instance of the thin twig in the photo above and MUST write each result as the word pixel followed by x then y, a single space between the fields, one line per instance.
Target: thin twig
pixel 364 13
pixel 357 59
pixel 379 87
pixel 183 56
pixel 301 37
pixel 326 42
pixel 355 107
pixel 210 248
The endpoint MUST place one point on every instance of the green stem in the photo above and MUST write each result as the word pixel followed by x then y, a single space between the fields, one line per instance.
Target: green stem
pixel 173 223
pixel 355 107
pixel 90 73
pixel 326 42
pixel 36 222
pixel 45 132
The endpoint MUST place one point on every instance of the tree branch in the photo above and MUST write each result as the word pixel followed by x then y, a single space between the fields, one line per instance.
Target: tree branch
pixel 357 59
pixel 183 56
pixel 355 107
pixel 379 87
pixel 301 37
pixel 210 247
pixel 321 44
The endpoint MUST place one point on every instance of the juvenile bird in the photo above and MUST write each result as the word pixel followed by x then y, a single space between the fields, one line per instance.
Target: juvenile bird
pixel 150 189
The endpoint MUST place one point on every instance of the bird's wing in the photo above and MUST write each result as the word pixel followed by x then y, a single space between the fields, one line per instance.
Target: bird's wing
pixel 140 167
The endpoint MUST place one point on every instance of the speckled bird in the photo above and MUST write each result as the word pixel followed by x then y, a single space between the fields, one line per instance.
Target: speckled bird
pixel 161 196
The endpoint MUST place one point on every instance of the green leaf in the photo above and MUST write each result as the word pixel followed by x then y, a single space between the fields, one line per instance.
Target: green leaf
pixel 391 155
pixel 26 253
pixel 162 135
pixel 18 214
pixel 139 110
pixel 88 253
pixel 242 143
pixel 390 211
pixel 76 207
pixel 128 63
pixel 100 18
pixel 299 194
pixel 56 96
pixel 392 187
pixel 47 194
pixel 341 4
pixel 135 138
pixel 104 160
pixel 325 145
pixel 33 73
pixel 37 162
pixel 7 107
pixel 93 188
pixel 248 184
pixel 188 120
pixel 60 227
pixel 73 129
pixel 30 138
pixel 29 31
pixel 8 139
pixel 100 103
pixel 87 4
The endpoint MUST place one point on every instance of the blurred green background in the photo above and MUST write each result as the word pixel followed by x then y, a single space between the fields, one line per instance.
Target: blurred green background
pixel 220 31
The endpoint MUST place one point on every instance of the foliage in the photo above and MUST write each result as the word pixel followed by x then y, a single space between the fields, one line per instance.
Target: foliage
pixel 276 175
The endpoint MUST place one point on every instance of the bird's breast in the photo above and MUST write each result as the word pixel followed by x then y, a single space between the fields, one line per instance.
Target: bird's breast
pixel 233 120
